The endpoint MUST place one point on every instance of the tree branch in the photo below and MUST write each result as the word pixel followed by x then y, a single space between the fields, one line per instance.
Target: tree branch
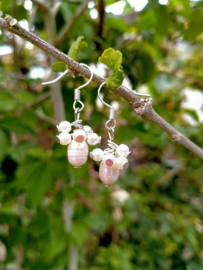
pixel 64 31
pixel 141 107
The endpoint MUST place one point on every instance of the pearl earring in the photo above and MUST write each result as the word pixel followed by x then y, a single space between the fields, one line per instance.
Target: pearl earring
pixel 113 158
pixel 77 148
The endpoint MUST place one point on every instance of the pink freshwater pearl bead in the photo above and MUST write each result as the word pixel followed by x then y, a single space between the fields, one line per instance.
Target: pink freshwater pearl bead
pixel 108 175
pixel 77 153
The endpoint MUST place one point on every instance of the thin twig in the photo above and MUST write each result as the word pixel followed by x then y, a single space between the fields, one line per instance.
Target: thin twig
pixel 14 74
pixel 179 74
pixel 40 98
pixel 141 107
pixel 40 114
pixel 66 29
pixel 169 175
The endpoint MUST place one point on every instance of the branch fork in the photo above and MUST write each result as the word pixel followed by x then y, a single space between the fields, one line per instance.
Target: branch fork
pixel 143 107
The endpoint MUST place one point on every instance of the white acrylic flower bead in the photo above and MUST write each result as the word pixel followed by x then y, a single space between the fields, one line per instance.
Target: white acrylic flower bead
pixel 97 154
pixel 93 138
pixel 87 130
pixel 109 160
pixel 64 126
pixel 64 138
pixel 122 163
pixel 79 135
pixel 122 150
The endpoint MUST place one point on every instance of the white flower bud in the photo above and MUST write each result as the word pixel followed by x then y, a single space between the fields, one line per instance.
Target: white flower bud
pixel 64 138
pixel 109 160
pixel 122 163
pixel 79 135
pixel 64 126
pixel 93 138
pixel 122 150
pixel 97 154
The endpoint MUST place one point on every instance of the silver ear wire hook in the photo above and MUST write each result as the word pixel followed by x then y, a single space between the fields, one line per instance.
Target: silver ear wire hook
pixel 138 94
pixel 90 79
pixel 111 129
pixel 57 79
pixel 77 93
pixel 100 98
pixel 112 111
pixel 66 71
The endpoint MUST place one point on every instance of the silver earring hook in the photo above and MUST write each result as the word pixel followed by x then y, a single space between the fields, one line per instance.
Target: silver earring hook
pixel 112 111
pixel 111 129
pixel 138 94
pixel 57 79
pixel 77 94
pixel 90 79
pixel 100 98
pixel 66 71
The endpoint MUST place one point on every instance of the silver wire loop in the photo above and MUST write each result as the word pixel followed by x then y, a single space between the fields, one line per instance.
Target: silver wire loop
pixel 111 133
pixel 77 116
pixel 77 108
pixel 108 151
pixel 112 145
pixel 110 127
pixel 57 79
pixel 76 122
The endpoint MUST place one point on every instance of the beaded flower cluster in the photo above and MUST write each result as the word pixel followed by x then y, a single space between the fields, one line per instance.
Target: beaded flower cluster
pixel 77 149
pixel 110 157
pixel 112 160
pixel 79 135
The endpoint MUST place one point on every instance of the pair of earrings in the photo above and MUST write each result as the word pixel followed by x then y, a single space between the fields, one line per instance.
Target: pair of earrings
pixel 113 158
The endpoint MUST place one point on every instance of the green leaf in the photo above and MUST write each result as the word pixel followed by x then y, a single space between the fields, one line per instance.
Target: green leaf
pixel 59 67
pixel 25 96
pixel 115 80
pixel 113 60
pixel 19 152
pixel 117 23
pixel 40 225
pixel 195 26
pixel 14 125
pixel 39 152
pixel 7 102
pixel 76 46
pixel 36 179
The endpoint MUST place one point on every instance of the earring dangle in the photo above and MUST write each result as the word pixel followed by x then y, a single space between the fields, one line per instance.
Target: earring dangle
pixel 77 148
pixel 113 158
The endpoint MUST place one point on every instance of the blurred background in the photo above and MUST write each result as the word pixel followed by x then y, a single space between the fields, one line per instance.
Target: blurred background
pixel 56 217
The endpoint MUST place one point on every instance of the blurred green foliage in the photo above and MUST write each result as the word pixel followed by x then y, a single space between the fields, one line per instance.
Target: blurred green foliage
pixel 153 218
